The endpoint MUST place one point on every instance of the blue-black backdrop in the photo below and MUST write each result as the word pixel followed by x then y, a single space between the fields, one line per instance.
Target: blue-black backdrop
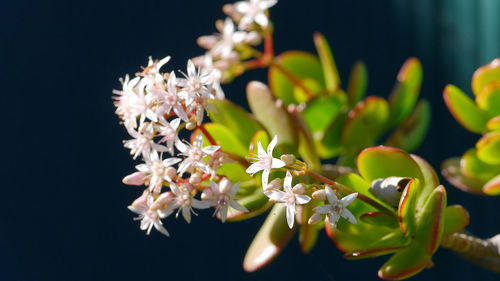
pixel 63 212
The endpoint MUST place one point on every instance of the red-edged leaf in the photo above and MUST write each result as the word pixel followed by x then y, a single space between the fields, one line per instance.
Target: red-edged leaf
pixel 450 169
pixel 256 204
pixel 380 218
pixel 406 210
pixel 405 263
pixel 358 82
pixel 456 218
pixel 385 245
pixel 494 124
pixel 465 110
pixel 430 220
pixel 484 75
pixel 488 148
pixel 493 186
pixel 473 167
pixel 330 72
pixel 269 241
pixel 489 98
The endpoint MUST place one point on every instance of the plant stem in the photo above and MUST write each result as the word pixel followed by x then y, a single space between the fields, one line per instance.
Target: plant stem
pixel 483 252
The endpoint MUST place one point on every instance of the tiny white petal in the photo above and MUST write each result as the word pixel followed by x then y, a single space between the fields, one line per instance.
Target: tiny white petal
pixel 349 216
pixel 302 199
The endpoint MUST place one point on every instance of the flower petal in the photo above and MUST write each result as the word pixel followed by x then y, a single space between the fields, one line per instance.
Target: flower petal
pixel 210 149
pixel 290 215
pixel 265 178
pixel 186 213
pixel 171 161
pixel 332 197
pixel 287 183
pixel 349 216
pixel 271 146
pixel 235 205
pixel 254 168
pixel 277 163
pixel 349 198
pixel 302 199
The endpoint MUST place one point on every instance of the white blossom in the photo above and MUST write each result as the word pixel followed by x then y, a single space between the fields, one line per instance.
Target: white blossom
pixel 143 141
pixel 129 103
pixel 336 208
pixel 168 132
pixel 156 168
pixel 195 154
pixel 223 197
pixel 289 198
pixel 227 40
pixel 148 217
pixel 253 11
pixel 265 161
pixel 184 202
pixel 196 83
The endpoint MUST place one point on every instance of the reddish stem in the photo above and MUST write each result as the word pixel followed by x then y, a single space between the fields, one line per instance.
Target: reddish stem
pixel 207 134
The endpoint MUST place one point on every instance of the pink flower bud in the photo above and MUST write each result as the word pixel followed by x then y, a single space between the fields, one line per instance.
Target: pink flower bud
pixel 171 172
pixel 314 218
pixel 195 179
pixel 319 195
pixel 225 185
pixel 207 194
pixel 299 189
pixel 162 201
pixel 207 41
pixel 289 159
pixel 274 185
pixel 253 38
pixel 136 178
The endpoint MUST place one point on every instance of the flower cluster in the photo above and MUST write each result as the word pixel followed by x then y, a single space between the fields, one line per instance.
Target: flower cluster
pixel 154 107
pixel 246 24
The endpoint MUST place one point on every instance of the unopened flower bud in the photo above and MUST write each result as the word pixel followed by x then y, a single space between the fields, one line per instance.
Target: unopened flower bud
pixel 171 172
pixel 219 24
pixel 190 125
pixel 299 188
pixel 195 179
pixel 142 200
pixel 136 178
pixel 207 41
pixel 228 9
pixel 186 187
pixel 162 201
pixel 289 159
pixel 253 38
pixel 224 185
pixel 314 218
pixel 274 185
pixel 207 194
pixel 319 195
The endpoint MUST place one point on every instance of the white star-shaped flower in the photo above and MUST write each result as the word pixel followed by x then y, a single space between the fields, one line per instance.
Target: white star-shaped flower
pixel 265 161
pixel 289 198
pixel 143 141
pixel 253 11
pixel 184 202
pixel 227 40
pixel 157 170
pixel 148 217
pixel 336 208
pixel 223 197
pixel 197 83
pixel 195 154
pixel 168 132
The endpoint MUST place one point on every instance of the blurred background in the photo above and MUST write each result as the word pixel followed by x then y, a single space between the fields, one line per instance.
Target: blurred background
pixel 63 207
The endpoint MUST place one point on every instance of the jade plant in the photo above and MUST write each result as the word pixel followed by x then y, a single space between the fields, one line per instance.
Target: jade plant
pixel 312 154
pixel 478 170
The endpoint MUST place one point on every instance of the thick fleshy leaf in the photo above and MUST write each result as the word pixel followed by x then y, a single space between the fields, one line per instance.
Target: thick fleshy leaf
pixel 358 184
pixel 260 136
pixel 456 218
pixel 307 147
pixel 235 172
pixel 431 179
pixel 494 124
pixel 308 233
pixel 330 72
pixel 381 219
pixel 387 244
pixel 410 134
pixel 256 204
pixel 291 68
pixel 492 187
pixel 465 110
pixel 406 210
pixel 322 111
pixel 473 167
pixel 451 170
pixel 484 75
pixel 241 123
pixel 331 145
pixel 383 162
pixel 406 91
pixel 489 98
pixel 225 138
pixel 404 263
pixel 312 85
pixel 358 82
pixel 488 148
pixel 271 113
pixel 365 123
pixel 430 220
pixel 269 241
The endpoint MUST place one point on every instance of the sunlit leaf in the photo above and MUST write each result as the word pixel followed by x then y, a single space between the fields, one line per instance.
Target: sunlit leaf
pixel 358 82
pixel 492 187
pixel 489 98
pixel 404 263
pixel 451 170
pixel 224 138
pixel 488 148
pixel 406 210
pixel 456 218
pixel 484 75
pixel 256 204
pixel 330 72
pixel 473 167
pixel 465 110
pixel 430 221
pixel 380 218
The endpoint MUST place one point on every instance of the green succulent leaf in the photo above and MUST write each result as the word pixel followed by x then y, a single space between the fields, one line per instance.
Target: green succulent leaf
pixel 488 148
pixel 331 145
pixel 312 85
pixel 365 123
pixel 456 218
pixel 465 110
pixel 260 136
pixel 383 162
pixel 407 205
pixel 297 65
pixel 492 187
pixel 410 134
pixel 431 179
pixel 494 124
pixel 489 99
pixel 473 167
pixel 256 204
pixel 269 241
pixel 406 91
pixel 451 170
pixel 485 75
pixel 274 116
pixel 358 83
pixel 322 111
pixel 380 218
pixel 308 233
pixel 358 184
pixel 387 244
pixel 405 263
pixel 235 172
pixel 233 116
pixel 330 72
pixel 225 138
pixel 430 220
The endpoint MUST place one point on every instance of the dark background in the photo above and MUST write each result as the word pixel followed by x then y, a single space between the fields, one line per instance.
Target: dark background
pixel 63 207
